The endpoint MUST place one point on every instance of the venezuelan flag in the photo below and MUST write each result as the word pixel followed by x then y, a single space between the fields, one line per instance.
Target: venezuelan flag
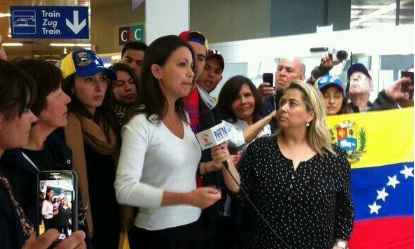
pixel 380 148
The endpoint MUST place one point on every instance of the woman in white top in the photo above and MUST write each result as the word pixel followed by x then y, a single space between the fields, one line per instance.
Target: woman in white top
pixel 47 209
pixel 160 154
pixel 240 107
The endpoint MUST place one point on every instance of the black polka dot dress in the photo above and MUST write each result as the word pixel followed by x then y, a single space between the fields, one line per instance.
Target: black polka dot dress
pixel 308 208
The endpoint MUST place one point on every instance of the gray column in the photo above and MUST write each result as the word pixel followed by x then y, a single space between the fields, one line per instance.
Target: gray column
pixel 165 17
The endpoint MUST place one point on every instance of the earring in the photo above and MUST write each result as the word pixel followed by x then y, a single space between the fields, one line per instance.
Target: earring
pixel 307 124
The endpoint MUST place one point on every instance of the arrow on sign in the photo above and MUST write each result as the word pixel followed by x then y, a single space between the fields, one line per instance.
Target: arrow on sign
pixel 76 26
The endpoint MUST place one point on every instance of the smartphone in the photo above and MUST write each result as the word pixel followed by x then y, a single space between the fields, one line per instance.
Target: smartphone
pixel 407 86
pixel 58 202
pixel 268 77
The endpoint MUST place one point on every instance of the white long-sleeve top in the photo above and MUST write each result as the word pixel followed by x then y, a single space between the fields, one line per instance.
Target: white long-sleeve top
pixel 47 209
pixel 236 135
pixel 154 160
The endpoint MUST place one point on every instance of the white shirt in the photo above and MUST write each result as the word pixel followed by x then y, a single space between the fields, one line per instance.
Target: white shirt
pixel 154 160
pixel 236 135
pixel 47 209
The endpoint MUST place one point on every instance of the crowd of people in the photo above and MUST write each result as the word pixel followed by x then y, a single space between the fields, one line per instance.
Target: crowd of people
pixel 129 133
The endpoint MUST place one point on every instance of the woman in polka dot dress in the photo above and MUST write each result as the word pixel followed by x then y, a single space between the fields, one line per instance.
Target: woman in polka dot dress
pixel 298 181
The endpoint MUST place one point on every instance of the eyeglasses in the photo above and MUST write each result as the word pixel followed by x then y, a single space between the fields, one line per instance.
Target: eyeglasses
pixel 358 78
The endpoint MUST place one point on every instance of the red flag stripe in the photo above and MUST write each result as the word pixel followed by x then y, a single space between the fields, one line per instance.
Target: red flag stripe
pixel 384 233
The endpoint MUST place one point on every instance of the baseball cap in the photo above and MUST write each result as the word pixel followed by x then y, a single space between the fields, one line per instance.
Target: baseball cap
pixel 213 53
pixel 357 67
pixel 194 36
pixel 84 63
pixel 327 80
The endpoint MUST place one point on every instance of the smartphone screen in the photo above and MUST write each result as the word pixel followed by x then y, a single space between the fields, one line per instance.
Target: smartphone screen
pixel 58 202
pixel 268 77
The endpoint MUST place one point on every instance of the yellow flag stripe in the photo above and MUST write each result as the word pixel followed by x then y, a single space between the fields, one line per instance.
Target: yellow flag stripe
pixel 387 136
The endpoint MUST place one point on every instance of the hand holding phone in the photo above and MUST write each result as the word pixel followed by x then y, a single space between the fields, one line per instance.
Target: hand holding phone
pixel 48 239
pixel 268 77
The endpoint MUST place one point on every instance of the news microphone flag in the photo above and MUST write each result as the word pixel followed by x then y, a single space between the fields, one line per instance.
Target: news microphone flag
pixel 380 148
pixel 213 136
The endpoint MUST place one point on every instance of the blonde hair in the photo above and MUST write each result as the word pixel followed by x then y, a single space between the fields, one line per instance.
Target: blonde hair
pixel 318 135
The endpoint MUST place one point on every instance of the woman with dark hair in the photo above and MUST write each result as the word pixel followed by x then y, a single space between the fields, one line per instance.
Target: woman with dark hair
pixel 17 93
pixel 93 141
pixel 160 154
pixel 47 209
pixel 240 106
pixel 124 91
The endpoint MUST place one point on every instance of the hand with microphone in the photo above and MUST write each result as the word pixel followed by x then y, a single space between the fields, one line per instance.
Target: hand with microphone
pixel 215 138
pixel 220 154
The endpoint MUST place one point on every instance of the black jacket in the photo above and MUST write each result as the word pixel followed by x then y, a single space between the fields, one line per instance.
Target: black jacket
pixel 215 177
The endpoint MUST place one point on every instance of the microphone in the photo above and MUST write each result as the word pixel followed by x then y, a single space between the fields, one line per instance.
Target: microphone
pixel 212 136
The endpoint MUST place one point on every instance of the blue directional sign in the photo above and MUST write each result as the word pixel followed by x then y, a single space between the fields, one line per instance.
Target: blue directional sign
pixel 49 22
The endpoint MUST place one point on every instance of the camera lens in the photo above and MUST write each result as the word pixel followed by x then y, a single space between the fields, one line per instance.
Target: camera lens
pixel 341 55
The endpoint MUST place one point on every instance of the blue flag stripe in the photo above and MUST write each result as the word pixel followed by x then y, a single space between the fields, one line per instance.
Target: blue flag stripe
pixel 383 191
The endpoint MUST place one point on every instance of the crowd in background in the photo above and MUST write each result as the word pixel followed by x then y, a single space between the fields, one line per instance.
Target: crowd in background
pixel 129 133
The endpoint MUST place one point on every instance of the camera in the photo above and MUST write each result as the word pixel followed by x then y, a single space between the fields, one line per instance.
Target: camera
pixel 339 55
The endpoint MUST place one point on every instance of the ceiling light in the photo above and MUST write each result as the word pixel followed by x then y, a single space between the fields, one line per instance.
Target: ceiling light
pixel 116 57
pixel 12 44
pixel 62 44
pixel 5 15
pixel 70 44
pixel 83 44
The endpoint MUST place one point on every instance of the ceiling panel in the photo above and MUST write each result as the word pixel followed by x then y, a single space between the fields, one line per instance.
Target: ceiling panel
pixel 364 14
